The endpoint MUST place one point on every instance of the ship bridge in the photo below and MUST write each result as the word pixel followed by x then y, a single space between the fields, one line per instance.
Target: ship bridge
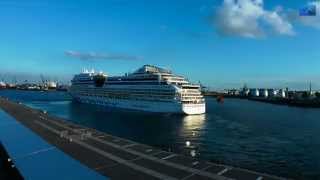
pixel 151 69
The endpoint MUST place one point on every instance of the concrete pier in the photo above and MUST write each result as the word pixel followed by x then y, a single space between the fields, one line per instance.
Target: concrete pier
pixel 119 158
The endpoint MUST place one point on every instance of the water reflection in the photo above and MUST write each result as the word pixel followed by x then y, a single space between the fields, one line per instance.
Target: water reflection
pixel 193 123
pixel 191 128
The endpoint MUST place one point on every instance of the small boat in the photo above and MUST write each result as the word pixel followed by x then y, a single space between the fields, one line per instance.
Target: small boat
pixel 220 99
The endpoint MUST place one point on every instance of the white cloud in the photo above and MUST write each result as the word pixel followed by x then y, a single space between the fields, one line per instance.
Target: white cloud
pixel 278 24
pixel 94 56
pixel 248 18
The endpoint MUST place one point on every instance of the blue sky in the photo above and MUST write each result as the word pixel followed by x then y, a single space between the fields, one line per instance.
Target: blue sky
pixel 222 43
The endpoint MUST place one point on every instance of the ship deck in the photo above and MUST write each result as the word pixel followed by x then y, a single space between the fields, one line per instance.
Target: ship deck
pixel 119 158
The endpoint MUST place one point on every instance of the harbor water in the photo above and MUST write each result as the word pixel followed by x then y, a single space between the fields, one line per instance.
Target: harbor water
pixel 274 139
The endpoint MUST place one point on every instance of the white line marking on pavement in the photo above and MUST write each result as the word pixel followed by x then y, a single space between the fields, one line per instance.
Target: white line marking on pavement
pixel 168 157
pixel 128 145
pixel 192 170
pixel 259 178
pixel 223 171
pixel 115 158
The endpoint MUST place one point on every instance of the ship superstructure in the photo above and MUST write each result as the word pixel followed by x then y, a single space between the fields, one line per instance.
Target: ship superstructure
pixel 149 88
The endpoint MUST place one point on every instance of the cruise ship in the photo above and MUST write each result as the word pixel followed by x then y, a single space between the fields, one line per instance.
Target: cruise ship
pixel 150 88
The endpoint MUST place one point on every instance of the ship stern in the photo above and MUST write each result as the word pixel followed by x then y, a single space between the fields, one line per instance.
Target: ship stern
pixel 190 109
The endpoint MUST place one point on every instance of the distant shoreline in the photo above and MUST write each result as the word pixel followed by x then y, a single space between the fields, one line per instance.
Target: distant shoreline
pixel 304 103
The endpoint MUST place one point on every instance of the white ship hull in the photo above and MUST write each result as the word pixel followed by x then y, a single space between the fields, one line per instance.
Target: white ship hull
pixel 149 106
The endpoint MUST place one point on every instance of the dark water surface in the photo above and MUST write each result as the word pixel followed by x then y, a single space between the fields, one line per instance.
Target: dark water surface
pixel 268 138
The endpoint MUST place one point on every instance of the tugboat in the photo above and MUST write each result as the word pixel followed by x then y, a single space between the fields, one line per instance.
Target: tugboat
pixel 220 99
